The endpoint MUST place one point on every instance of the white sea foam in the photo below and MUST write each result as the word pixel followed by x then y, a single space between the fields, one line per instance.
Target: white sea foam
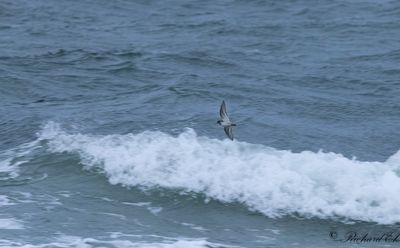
pixel 155 210
pixel 193 226
pixel 137 204
pixel 65 241
pixel 12 158
pixel 8 169
pixel 273 182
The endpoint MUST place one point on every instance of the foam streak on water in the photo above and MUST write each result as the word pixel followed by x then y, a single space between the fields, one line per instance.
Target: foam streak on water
pixel 12 158
pixel 79 242
pixel 273 182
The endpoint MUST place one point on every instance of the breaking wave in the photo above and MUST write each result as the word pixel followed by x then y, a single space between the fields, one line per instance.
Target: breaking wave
pixel 270 181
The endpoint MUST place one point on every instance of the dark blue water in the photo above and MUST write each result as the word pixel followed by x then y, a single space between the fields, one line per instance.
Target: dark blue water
pixel 109 135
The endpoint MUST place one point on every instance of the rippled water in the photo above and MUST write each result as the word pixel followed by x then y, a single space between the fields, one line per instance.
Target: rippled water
pixel 109 135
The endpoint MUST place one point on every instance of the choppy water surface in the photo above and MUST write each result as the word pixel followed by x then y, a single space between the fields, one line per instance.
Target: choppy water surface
pixel 109 135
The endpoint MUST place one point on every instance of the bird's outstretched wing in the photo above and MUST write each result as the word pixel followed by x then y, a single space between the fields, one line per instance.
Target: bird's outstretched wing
pixel 222 112
pixel 229 132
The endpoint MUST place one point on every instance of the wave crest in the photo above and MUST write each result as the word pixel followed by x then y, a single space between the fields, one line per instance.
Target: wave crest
pixel 273 182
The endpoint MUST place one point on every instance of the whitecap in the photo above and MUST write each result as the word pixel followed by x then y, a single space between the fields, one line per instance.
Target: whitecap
pixel 272 182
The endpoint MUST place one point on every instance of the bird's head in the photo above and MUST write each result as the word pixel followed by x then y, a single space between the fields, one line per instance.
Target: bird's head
pixel 219 122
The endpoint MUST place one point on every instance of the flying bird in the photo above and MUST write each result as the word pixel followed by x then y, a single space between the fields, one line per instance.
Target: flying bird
pixel 225 122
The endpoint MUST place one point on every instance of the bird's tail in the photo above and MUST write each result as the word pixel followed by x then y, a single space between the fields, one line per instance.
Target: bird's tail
pixel 233 124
